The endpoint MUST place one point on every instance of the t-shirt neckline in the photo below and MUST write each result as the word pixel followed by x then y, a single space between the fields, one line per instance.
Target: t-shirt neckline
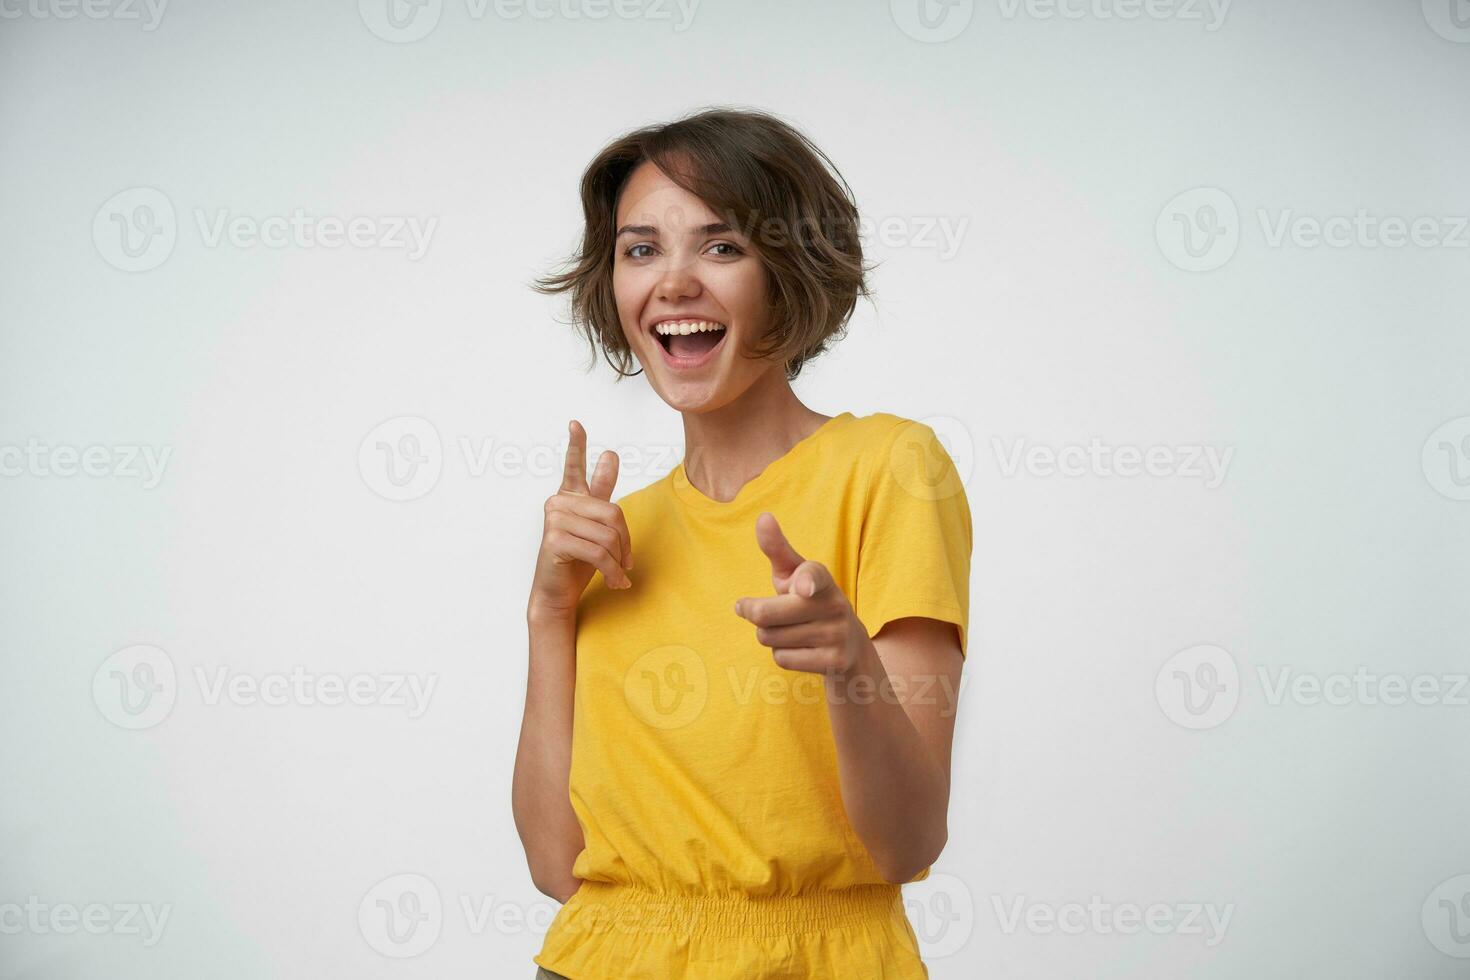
pixel 695 497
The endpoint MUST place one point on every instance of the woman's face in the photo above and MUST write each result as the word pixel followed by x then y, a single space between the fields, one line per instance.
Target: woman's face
pixel 676 263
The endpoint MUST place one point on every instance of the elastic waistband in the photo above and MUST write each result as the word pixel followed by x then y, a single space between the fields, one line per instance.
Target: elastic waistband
pixel 605 906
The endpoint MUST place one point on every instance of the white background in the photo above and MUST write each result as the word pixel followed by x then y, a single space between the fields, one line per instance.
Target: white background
pixel 1070 311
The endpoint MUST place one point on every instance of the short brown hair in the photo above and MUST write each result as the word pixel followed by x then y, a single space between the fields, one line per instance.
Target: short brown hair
pixel 755 171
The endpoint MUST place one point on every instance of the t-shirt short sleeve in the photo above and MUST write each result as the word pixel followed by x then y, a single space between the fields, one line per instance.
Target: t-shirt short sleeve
pixel 916 539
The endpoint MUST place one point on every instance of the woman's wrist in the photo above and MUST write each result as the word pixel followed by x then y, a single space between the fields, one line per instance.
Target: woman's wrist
pixel 538 613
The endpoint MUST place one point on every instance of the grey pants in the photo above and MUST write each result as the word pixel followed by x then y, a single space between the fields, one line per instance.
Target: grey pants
pixel 544 974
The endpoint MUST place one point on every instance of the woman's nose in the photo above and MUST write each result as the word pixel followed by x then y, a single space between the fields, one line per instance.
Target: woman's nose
pixel 677 280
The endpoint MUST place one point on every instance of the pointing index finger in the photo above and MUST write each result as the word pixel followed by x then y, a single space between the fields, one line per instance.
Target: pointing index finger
pixel 574 471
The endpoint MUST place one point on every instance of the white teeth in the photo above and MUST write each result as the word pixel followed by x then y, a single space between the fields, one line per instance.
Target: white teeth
pixel 669 327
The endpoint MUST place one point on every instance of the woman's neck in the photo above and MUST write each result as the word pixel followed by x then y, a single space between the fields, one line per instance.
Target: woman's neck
pixel 729 446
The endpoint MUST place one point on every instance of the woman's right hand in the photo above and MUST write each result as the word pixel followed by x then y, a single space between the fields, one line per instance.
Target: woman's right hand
pixel 584 532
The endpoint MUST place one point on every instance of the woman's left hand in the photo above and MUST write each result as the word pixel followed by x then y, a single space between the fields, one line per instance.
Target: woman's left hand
pixel 808 624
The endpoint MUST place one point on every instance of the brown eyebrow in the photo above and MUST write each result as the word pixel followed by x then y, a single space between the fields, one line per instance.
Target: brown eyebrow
pixel 717 228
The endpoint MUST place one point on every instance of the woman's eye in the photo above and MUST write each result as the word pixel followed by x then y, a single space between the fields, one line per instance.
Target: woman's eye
pixel 729 250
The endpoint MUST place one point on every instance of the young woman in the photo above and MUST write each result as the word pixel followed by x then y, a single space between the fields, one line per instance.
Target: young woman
pixel 737 748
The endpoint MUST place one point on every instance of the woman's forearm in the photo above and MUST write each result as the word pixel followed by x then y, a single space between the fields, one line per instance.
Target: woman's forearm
pixel 895 792
pixel 544 817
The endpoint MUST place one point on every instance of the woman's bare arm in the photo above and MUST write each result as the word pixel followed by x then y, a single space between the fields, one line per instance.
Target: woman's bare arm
pixel 894 731
pixel 890 697
pixel 544 817
pixel 584 532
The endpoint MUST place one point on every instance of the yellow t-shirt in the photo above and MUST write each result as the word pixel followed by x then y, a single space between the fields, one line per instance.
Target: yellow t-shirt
pixel 704 775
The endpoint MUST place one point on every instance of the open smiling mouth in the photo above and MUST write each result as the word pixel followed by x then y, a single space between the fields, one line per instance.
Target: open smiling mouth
pixel 689 342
